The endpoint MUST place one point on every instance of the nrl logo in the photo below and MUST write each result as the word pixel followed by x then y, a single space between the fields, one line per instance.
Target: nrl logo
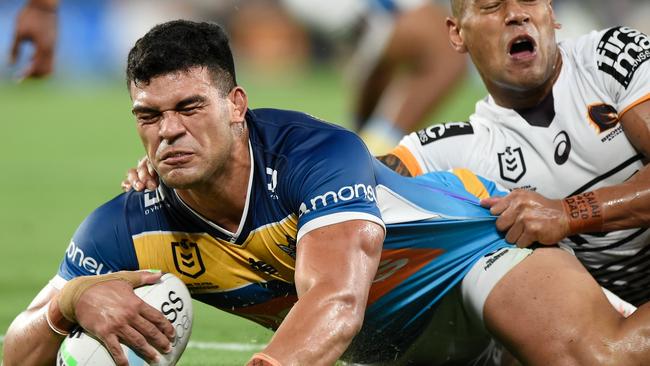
pixel 187 258
pixel 511 164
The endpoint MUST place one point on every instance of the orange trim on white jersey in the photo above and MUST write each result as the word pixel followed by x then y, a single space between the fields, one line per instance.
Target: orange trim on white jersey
pixel 408 160
pixel 643 99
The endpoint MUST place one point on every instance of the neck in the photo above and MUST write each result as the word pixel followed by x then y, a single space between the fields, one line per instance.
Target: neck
pixel 223 198
pixel 514 98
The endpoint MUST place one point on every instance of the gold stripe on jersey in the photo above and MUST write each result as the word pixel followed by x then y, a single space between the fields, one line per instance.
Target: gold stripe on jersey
pixel 207 264
pixel 643 99
pixel 407 158
pixel 471 183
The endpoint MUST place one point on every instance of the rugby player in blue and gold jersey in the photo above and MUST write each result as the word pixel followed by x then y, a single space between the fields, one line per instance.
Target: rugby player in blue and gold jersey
pixel 288 221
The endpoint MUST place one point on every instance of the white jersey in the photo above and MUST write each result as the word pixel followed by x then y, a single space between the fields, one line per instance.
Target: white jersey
pixel 571 143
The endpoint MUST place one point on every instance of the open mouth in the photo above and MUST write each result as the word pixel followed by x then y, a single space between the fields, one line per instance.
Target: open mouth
pixel 523 46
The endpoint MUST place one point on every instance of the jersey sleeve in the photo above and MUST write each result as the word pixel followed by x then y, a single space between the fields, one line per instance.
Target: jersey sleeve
pixel 437 147
pixel 333 181
pixel 621 65
pixel 101 244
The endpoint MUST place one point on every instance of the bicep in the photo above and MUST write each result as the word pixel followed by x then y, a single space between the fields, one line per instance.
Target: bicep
pixel 636 123
pixel 343 256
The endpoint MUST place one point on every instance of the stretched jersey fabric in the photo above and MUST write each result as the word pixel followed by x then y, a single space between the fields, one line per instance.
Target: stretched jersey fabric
pixel 571 143
pixel 305 174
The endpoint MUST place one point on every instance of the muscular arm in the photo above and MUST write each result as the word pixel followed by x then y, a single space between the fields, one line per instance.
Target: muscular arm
pixel 418 44
pixel 335 266
pixel 108 310
pixel 528 217
pixel 29 340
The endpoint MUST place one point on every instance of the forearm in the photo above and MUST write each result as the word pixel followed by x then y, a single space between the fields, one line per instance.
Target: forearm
pixel 625 206
pixel 30 341
pixel 618 207
pixel 318 329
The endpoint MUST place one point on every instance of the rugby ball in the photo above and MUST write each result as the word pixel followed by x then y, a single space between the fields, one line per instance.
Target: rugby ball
pixel 170 296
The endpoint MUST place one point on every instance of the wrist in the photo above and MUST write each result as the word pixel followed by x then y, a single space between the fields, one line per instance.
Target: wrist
pixel 262 359
pixel 584 212
pixel 55 319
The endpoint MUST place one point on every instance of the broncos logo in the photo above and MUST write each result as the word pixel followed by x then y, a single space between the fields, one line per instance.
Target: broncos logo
pixel 604 116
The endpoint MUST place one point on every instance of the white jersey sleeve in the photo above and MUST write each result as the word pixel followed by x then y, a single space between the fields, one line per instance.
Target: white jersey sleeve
pixel 617 59
pixel 431 149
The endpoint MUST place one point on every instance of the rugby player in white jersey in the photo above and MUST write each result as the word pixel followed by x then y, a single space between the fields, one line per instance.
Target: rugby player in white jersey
pixel 569 121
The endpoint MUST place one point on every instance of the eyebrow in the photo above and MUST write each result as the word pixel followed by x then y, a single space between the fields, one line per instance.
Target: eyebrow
pixel 180 105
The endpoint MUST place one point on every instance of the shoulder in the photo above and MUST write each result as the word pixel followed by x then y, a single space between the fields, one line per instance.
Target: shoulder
pixel 102 242
pixel 615 53
pixel 300 136
pixel 440 146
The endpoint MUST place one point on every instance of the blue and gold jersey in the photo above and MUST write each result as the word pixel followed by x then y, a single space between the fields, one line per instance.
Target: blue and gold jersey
pixel 305 174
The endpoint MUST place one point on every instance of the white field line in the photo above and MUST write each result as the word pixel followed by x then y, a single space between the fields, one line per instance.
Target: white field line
pixel 215 346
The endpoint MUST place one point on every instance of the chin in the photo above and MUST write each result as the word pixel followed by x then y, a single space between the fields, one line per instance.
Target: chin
pixel 179 180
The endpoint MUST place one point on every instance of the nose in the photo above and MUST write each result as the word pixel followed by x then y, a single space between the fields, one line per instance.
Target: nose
pixel 171 126
pixel 515 13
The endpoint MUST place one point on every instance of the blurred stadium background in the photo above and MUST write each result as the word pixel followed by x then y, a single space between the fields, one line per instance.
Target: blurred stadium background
pixel 67 141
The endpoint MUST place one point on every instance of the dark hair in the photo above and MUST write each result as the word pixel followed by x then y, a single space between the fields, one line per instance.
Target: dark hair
pixel 178 46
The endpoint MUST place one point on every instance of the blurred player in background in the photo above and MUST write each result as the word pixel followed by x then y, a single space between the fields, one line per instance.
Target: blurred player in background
pixel 403 66
pixel 569 121
pixel 36 23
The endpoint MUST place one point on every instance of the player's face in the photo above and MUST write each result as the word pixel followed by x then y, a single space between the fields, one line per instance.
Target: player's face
pixel 187 127
pixel 512 42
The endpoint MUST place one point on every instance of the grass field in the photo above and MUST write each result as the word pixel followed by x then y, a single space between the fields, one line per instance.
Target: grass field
pixel 64 151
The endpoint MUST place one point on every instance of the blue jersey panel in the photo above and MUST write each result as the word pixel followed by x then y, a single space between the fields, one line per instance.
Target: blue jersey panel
pixel 316 169
pixel 102 243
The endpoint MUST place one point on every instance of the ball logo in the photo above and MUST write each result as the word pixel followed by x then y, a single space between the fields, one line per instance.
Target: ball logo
pixel 621 52
pixel 173 311
pixel 171 308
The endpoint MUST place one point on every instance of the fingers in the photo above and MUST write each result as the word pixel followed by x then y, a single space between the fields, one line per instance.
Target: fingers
pixel 113 346
pixel 137 342
pixel 146 277
pixel 146 339
pixel 164 330
pixel 491 201
pixel 146 174
pixel 142 176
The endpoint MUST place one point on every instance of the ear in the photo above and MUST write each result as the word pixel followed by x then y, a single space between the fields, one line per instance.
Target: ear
pixel 455 38
pixel 239 100
pixel 556 24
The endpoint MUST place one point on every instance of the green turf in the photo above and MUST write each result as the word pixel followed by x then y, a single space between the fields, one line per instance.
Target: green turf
pixel 64 151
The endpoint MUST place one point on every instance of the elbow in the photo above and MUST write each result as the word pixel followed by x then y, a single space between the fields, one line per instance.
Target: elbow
pixel 349 310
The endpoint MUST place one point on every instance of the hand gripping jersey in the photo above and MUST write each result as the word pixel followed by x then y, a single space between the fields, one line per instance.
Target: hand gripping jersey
pixel 305 174
pixel 571 143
